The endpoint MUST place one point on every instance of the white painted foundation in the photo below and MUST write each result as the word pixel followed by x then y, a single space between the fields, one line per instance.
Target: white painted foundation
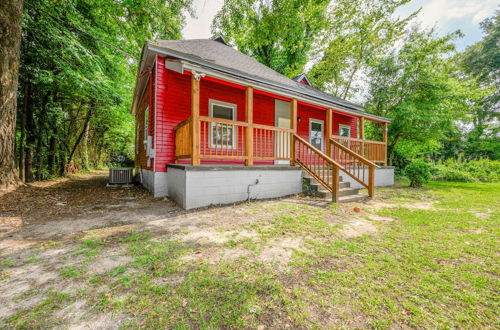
pixel 384 176
pixel 155 182
pixel 198 186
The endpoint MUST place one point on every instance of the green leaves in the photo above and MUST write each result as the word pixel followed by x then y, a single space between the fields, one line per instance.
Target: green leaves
pixel 278 34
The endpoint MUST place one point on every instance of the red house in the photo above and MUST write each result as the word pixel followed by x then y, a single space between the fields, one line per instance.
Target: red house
pixel 215 126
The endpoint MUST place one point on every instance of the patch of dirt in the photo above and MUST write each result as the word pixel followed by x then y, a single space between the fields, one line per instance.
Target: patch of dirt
pixel 421 205
pixel 10 245
pixel 377 217
pixel 105 264
pixel 280 250
pixel 358 227
pixel 482 215
pixel 108 231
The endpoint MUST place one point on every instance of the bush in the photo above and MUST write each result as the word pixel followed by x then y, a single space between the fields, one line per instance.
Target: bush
pixel 419 172
pixel 481 170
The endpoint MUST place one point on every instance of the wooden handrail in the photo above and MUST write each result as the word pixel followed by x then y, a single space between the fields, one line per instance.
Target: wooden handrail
pixel 273 128
pixel 321 167
pixel 354 170
pixel 356 139
pixel 319 152
pixel 355 155
pixel 185 122
pixel 224 121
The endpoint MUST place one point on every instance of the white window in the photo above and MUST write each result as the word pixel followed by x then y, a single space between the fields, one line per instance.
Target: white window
pixel 316 133
pixel 222 135
pixel 345 130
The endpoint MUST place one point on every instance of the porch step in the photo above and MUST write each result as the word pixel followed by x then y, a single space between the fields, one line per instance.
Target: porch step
pixel 353 198
pixel 346 193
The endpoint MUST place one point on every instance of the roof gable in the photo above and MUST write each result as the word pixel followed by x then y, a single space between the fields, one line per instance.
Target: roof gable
pixel 302 78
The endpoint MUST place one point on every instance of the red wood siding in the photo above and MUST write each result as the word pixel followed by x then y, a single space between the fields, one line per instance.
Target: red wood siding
pixel 141 160
pixel 173 105
pixel 339 119
pixel 306 113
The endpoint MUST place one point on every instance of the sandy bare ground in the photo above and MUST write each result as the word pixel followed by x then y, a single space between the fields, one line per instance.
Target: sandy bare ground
pixel 42 227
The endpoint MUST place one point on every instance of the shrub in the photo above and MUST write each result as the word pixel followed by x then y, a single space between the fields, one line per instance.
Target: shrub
pixel 483 170
pixel 419 172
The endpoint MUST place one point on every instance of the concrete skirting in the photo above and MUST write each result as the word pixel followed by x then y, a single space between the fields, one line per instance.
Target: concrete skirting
pixel 384 176
pixel 198 186
pixel 155 182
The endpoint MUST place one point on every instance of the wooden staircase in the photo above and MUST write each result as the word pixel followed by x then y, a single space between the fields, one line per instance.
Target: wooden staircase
pixel 346 193
pixel 323 170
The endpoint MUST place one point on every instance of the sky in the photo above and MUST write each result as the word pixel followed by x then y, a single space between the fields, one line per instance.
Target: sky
pixel 446 15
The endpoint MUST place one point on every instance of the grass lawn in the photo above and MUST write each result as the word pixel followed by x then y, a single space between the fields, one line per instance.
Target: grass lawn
pixel 423 258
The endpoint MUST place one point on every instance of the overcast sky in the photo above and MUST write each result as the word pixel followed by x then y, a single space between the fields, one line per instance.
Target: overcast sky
pixel 446 15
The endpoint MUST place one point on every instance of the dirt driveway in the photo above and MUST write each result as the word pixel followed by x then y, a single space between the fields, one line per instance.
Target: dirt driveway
pixel 54 209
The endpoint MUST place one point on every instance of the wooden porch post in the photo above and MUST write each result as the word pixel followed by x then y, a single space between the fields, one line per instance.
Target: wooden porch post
pixel 249 129
pixel 195 114
pixel 384 139
pixel 362 135
pixel 336 184
pixel 328 132
pixel 371 181
pixel 293 126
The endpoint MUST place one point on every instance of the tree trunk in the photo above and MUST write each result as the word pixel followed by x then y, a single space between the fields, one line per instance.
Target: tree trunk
pixel 39 138
pixel 10 42
pixel 51 161
pixel 79 139
pixel 30 143
pixel 26 104
pixel 85 147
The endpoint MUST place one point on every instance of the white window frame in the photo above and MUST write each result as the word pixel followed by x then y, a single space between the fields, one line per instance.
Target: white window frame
pixel 348 128
pixel 234 107
pixel 322 123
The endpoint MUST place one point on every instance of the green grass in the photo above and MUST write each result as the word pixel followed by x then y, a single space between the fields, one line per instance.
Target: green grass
pixel 429 268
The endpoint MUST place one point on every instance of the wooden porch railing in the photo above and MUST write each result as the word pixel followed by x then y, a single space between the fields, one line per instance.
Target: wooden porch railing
pixel 321 167
pixel 374 151
pixel 356 166
pixel 271 143
pixel 184 139
pixel 222 138
pixel 227 139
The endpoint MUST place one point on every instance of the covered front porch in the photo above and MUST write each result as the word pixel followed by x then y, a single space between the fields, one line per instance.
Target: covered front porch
pixel 206 139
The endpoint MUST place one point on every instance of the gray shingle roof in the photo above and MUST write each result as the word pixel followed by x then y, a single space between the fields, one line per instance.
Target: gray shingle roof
pixel 206 51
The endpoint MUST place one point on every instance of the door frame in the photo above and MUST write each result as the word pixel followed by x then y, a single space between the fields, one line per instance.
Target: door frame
pixel 277 161
pixel 322 123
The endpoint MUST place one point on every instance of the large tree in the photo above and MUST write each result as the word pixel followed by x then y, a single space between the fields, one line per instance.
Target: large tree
pixel 10 40
pixel 358 33
pixel 482 62
pixel 77 78
pixel 420 88
pixel 278 34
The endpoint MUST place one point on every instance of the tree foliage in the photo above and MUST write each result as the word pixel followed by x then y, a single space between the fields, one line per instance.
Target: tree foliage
pixel 419 88
pixel 77 76
pixel 278 34
pixel 357 34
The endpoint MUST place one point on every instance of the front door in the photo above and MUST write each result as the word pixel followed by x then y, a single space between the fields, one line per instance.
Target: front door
pixel 316 133
pixel 282 140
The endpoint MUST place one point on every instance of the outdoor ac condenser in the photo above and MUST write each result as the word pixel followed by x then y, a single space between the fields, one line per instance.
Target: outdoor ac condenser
pixel 120 175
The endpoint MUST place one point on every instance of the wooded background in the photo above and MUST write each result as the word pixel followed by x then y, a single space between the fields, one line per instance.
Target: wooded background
pixel 78 62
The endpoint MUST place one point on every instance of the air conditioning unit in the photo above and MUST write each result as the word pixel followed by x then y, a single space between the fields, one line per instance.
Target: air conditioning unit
pixel 120 175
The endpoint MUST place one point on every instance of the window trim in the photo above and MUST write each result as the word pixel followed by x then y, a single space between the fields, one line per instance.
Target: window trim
pixel 345 126
pixel 317 121
pixel 234 108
